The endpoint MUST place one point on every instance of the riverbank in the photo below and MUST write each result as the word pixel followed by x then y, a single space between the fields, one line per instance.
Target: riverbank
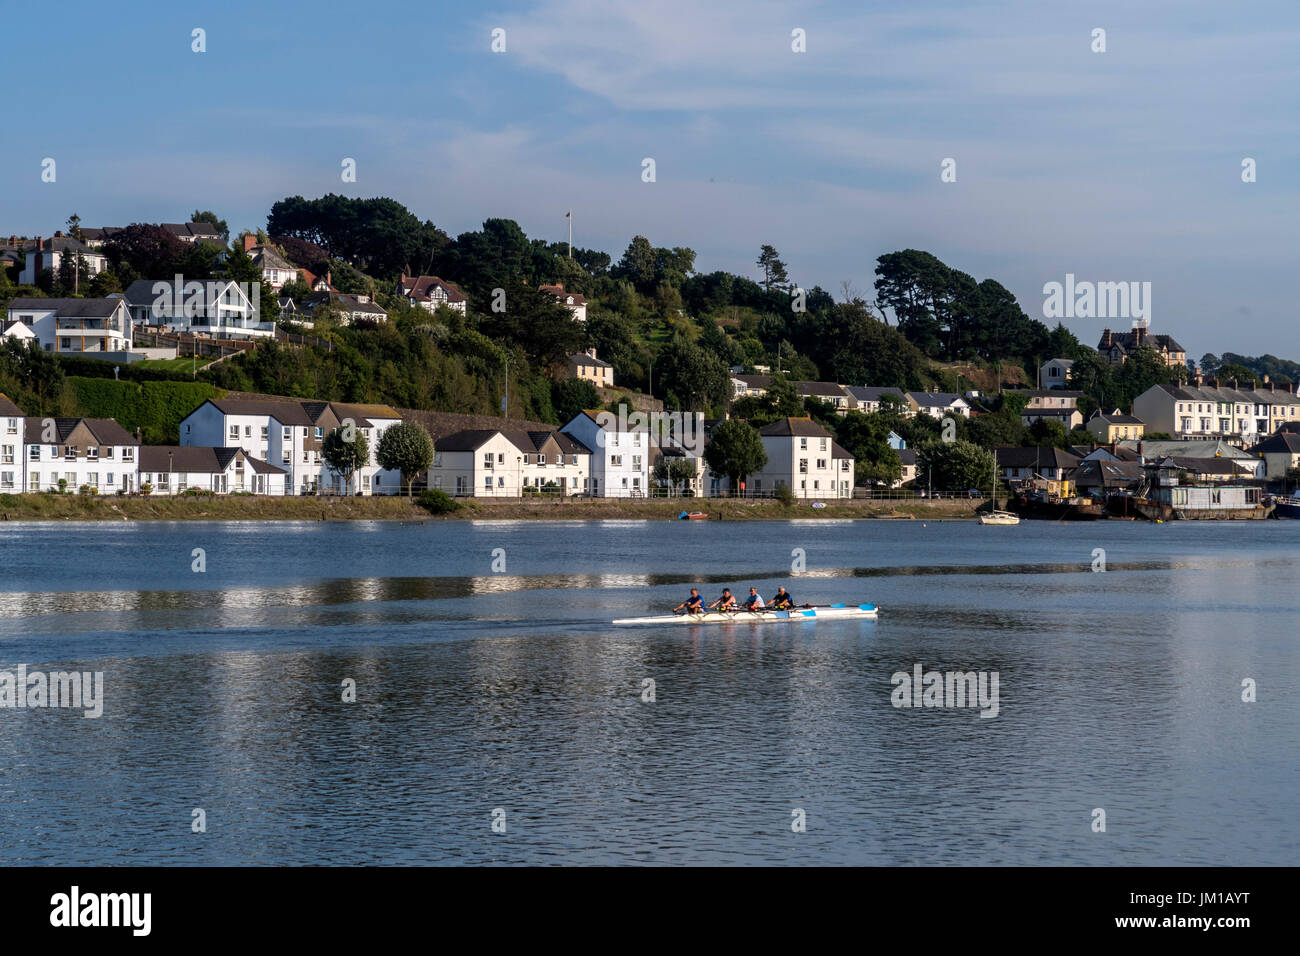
pixel 53 507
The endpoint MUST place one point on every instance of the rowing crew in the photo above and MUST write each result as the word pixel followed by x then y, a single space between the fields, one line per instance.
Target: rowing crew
pixel 727 602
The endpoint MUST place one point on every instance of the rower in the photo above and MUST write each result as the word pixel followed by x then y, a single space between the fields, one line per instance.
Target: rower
pixel 754 602
pixel 725 603
pixel 693 604
pixel 783 601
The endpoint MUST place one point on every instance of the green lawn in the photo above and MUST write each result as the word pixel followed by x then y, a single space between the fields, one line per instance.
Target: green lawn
pixel 175 365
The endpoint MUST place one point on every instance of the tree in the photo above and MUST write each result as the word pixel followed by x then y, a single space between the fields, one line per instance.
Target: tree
pixel 149 251
pixel 572 395
pixel 1232 370
pixel 954 466
pixel 774 273
pixel 694 378
pixel 638 264
pixel 405 447
pixel 346 450
pixel 736 450
pixel 211 217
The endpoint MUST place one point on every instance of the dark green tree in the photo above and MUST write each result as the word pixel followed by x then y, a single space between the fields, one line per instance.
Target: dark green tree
pixel 405 447
pixel 736 451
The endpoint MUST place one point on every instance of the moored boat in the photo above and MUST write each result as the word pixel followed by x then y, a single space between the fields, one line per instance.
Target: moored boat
pixel 692 516
pixel 831 611
pixel 999 517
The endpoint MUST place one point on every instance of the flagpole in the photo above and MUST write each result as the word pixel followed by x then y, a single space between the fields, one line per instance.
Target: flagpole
pixel 570 218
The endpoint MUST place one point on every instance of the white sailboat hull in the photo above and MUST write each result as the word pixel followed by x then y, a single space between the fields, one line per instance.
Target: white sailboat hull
pixel 834 611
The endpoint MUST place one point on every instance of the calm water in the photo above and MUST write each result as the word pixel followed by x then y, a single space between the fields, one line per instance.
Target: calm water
pixel 479 689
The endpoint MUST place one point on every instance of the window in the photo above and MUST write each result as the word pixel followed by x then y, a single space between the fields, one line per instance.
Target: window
pixel 803 444
pixel 11 426
pixel 7 455
pixel 616 461
pixel 437 481
pixel 286 433
pixel 573 459
pixel 317 433
pixel 821 463
pixel 501 458
pixel 286 457
pixel 92 479
pixel 844 465
pixel 108 452
pixel 34 453
pixel 6 479
pixel 92 454
pixel 821 444
pixel 437 459
pixel 636 462
pixel 528 459
pixel 248 431
pixel 128 453
pixel 108 479
pixel 234 433
pixel 803 466
pixel 70 451
pixel 487 460
pixel 266 433
pixel 34 482
pixel 487 481
pixel 501 481
pixel 541 459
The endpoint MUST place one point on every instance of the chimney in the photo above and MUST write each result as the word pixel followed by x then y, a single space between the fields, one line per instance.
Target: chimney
pixel 1139 335
pixel 249 242
pixel 1105 337
pixel 591 352
pixel 328 281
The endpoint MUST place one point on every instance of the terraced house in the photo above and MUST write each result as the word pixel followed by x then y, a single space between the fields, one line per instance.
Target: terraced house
pixel 175 469
pixel 96 455
pixel 1244 414
pixel 494 463
pixel 802 456
pixel 291 434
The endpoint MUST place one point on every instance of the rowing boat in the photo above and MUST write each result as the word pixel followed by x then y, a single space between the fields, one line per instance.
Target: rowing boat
pixel 833 611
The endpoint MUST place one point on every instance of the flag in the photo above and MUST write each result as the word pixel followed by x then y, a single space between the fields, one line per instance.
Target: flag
pixel 568 214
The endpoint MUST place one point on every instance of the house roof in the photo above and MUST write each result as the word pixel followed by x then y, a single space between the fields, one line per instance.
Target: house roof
pixel 1036 457
pixel 8 408
pixel 794 428
pixel 1204 466
pixel 582 358
pixel 1118 418
pixel 104 430
pixel 1049 412
pixel 907 455
pixel 557 290
pixel 72 308
pixel 1060 361
pixel 814 389
pixel 936 399
pixel 1194 448
pixel 467 439
pixel 286 413
pixel 267 257
pixel 200 459
pixel 872 393
pixel 421 288
pixel 343 301
pixel 1127 342
pixel 753 381
pixel 1045 392
pixel 1284 442
pixel 1104 472
pixel 837 451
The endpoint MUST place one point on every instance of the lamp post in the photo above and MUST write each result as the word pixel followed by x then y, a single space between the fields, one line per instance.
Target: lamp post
pixel 169 473
pixel 519 476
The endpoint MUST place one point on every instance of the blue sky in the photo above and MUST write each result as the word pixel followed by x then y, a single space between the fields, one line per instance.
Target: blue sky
pixel 1115 166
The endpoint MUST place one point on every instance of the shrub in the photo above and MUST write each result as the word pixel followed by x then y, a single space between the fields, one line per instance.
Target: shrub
pixel 785 495
pixel 436 501
pixel 146 488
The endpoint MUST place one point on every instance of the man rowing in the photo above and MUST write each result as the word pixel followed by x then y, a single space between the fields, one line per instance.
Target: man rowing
pixel 782 601
pixel 725 603
pixel 693 604
pixel 754 602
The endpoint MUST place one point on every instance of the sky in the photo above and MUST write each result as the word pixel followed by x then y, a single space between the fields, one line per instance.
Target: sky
pixel 1122 165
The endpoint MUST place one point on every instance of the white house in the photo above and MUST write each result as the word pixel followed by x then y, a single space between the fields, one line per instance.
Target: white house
pixel 1055 373
pixel 940 404
pixel 96 328
pixel 749 386
pixel 867 399
pixel 430 292
pixel 828 392
pixel 575 303
pixel 97 454
pixel 291 435
pixel 489 462
pixel 49 254
pixel 349 308
pixel 219 308
pixel 174 469
pixel 620 456
pixel 802 456
pixel 276 269
pixel 1052 404
pixel 13 446
pixel 1216 411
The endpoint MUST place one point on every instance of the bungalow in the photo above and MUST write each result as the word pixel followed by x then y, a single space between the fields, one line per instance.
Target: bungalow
pixel 174 469
pixel 940 404
pixel 829 392
pixel 96 328
pixel 749 386
pixel 96 454
pixel 867 399
pixel 620 456
pixel 575 303
pixel 1115 426
pixel 493 462
pixel 348 308
pixel 430 292
pixel 585 366
pixel 1280 453
pixel 218 308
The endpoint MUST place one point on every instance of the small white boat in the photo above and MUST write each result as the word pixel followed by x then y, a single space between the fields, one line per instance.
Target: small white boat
pixel 836 611
pixel 999 517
